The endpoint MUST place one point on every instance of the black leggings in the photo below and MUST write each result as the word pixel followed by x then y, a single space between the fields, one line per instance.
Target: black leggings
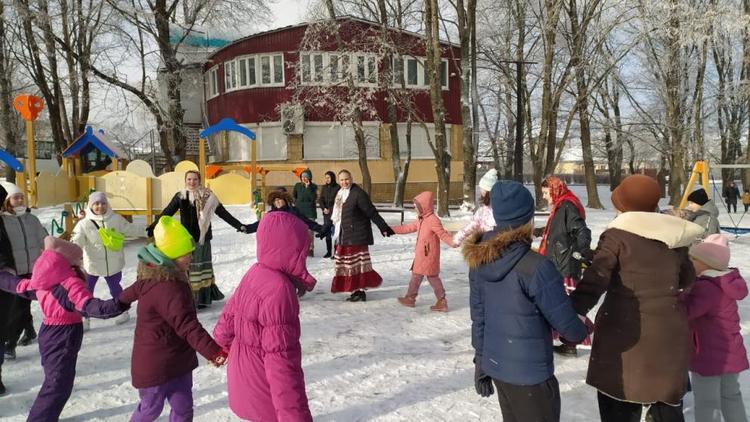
pixel 521 403
pixel 20 320
pixel 613 410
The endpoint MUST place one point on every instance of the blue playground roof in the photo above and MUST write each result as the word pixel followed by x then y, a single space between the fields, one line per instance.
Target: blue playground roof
pixel 98 140
pixel 229 125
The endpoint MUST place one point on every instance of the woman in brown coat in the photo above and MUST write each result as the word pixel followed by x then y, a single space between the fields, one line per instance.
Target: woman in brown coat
pixel 641 348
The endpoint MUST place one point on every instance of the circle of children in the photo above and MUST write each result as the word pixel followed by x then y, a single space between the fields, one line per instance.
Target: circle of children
pixel 670 307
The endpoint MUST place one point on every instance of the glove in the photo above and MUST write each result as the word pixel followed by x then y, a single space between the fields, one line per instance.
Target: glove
pixel 220 359
pixel 150 231
pixel 325 231
pixel 588 256
pixel 482 382
pixel 388 232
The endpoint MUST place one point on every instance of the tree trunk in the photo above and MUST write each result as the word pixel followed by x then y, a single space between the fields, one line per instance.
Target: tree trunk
pixel 673 84
pixel 7 121
pixel 577 47
pixel 359 137
pixel 466 18
pixel 439 148
pixel 172 72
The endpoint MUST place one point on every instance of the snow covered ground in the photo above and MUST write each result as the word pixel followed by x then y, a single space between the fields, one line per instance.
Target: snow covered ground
pixel 371 361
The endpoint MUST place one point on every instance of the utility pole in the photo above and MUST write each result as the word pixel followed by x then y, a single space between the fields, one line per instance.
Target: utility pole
pixel 520 124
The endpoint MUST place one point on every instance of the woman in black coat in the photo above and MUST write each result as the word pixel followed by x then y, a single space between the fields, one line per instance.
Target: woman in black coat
pixel 326 201
pixel 197 205
pixel 352 215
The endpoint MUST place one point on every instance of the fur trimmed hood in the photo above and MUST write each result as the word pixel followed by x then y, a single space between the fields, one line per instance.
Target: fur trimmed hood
pixel 156 273
pixel 483 248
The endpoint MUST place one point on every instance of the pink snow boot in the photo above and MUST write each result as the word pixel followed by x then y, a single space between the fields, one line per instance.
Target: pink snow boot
pixel 440 306
pixel 408 301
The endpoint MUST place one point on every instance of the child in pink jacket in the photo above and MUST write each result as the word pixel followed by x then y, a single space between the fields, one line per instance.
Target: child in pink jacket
pixel 719 354
pixel 57 283
pixel 260 326
pixel 426 262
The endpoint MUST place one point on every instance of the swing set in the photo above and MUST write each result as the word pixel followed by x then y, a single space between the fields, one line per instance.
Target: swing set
pixel 702 170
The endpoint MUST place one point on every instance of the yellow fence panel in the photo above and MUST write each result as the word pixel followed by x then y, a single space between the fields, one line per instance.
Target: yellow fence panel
pixel 231 189
pixel 125 190
pixel 55 189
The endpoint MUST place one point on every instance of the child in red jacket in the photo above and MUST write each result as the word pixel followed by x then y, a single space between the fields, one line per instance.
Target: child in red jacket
pixel 167 330
pixel 426 263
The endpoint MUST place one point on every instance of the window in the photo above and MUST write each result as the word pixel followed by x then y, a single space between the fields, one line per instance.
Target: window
pixel 414 70
pixel 243 72
pixel 265 70
pixel 251 71
pixel 278 69
pixel 230 76
pixel 271 142
pixel 332 68
pixel 212 82
pixel 333 141
pixel 420 148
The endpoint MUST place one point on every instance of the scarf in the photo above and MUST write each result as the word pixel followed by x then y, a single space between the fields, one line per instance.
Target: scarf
pixel 338 206
pixel 559 192
pixel 205 206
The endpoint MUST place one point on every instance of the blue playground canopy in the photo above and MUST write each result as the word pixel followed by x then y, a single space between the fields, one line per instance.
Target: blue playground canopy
pixel 10 160
pixel 229 125
pixel 96 139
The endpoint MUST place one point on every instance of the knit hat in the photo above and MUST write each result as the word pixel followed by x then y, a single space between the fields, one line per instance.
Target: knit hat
pixel 306 173
pixel 512 204
pixel 70 251
pixel 98 197
pixel 637 193
pixel 699 197
pixel 172 238
pixel 713 251
pixel 488 180
pixel 11 188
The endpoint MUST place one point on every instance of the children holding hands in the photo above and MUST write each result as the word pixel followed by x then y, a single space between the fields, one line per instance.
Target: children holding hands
pixel 167 330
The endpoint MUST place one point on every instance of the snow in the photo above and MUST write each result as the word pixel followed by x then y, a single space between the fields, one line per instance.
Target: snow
pixel 362 361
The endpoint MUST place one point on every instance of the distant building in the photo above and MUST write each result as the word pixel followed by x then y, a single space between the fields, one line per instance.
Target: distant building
pixel 249 80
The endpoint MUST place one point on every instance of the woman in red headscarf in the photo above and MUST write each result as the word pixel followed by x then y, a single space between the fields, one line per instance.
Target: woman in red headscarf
pixel 566 239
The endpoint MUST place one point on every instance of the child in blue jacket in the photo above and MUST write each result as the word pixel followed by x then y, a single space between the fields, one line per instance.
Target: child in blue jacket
pixel 517 298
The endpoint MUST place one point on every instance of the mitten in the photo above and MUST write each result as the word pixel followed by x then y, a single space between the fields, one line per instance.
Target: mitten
pixel 150 230
pixel 482 382
pixel 220 358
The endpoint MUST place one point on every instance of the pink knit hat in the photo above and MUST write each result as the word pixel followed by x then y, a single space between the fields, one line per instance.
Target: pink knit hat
pixel 70 251
pixel 713 251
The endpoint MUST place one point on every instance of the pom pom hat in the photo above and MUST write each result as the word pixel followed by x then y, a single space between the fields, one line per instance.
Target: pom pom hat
pixel 713 251
pixel 488 180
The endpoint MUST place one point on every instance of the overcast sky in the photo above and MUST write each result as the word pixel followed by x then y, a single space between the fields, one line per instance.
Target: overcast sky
pixel 288 12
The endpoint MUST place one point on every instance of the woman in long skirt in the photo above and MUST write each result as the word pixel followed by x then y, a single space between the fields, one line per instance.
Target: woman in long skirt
pixel 197 205
pixel 352 213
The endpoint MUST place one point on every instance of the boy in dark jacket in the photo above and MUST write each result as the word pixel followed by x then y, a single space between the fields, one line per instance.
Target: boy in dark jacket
pixel 167 330
pixel 516 298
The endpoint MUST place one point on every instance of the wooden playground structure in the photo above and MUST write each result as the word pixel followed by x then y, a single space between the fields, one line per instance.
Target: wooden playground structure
pixel 131 189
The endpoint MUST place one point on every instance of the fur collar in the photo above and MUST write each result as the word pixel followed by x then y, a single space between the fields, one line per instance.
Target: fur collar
pixel 157 273
pixel 477 252
pixel 668 229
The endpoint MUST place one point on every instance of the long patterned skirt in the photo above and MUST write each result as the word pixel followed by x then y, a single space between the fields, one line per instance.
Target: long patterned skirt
pixel 570 285
pixel 202 281
pixel 354 269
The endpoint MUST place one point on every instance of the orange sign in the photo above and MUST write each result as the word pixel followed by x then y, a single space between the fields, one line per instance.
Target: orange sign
pixel 29 106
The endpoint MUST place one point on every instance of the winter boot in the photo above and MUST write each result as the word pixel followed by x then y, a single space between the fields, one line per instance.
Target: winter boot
pixel 29 335
pixel 565 350
pixel 122 318
pixel 408 301
pixel 440 306
pixel 327 255
pixel 86 324
pixel 2 386
pixel 10 353
pixel 357 296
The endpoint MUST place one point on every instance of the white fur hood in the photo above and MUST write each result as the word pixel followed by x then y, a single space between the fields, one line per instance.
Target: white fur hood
pixel 670 230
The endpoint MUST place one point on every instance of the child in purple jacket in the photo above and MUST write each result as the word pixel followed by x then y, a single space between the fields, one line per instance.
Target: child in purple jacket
pixel 57 283
pixel 167 330
pixel 719 354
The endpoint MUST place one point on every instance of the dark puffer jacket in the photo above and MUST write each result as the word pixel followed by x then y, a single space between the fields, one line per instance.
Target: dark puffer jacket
pixel 356 214
pixel 327 198
pixel 568 234
pixel 167 330
pixel 517 297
